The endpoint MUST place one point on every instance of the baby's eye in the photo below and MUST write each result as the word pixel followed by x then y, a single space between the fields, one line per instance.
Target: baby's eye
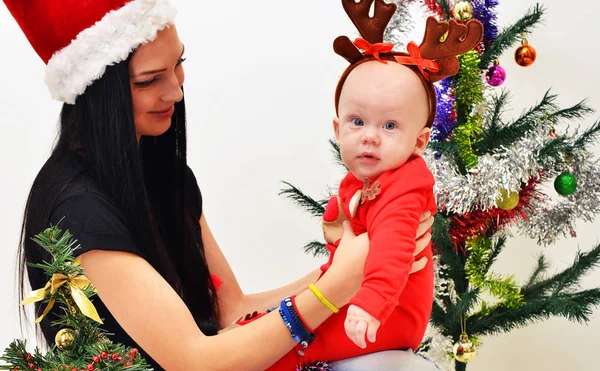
pixel 389 125
pixel 358 122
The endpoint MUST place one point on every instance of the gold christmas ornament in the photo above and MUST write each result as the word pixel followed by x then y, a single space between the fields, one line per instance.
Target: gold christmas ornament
pixel 64 339
pixel 464 350
pixel 507 201
pixel 463 10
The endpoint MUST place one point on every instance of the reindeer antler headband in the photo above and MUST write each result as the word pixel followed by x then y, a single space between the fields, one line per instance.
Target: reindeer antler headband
pixel 433 60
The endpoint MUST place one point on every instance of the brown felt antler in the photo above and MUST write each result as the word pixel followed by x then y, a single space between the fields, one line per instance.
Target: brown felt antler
pixel 371 29
pixel 460 39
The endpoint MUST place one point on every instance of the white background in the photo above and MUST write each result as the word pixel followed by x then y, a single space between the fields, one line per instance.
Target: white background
pixel 260 84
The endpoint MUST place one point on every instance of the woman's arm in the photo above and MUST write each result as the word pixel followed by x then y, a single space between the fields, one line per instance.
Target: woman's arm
pixel 157 319
pixel 233 303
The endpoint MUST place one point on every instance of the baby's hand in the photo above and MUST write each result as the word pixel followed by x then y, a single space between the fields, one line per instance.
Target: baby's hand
pixel 358 322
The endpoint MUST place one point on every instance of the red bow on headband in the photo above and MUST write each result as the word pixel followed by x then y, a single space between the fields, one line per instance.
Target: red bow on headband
pixel 412 48
pixel 373 49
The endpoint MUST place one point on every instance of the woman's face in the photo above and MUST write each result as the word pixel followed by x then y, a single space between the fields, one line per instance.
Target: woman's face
pixel 156 76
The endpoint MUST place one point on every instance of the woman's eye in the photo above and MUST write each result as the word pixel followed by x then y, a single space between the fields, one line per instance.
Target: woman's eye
pixel 389 125
pixel 181 61
pixel 145 84
pixel 358 122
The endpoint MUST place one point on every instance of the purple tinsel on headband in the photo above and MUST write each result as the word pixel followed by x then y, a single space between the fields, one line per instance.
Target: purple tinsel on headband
pixel 484 11
pixel 445 118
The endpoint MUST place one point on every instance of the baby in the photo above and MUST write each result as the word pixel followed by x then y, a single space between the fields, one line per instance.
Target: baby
pixel 385 104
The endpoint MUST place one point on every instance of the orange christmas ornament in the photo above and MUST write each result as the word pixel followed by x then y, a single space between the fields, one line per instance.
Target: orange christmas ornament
pixel 525 54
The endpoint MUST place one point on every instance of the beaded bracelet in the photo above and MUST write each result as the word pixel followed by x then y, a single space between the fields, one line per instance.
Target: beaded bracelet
pixel 291 309
pixel 292 321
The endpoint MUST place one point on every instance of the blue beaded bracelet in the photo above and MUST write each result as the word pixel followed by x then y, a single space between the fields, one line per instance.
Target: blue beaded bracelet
pixel 290 317
pixel 289 305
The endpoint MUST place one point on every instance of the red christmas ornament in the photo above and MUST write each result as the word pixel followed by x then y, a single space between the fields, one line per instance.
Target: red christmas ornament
pixel 31 366
pixel 103 355
pixel 90 367
pixel 114 357
pixel 28 357
pixel 95 359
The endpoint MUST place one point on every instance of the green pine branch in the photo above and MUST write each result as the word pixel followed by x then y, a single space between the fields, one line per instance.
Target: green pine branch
pixel 89 340
pixel 337 156
pixel 315 207
pixel 495 136
pixel 511 34
pixel 561 147
pixel 588 137
pixel 555 149
pixel 542 267
pixel 497 248
pixel 316 249
pixel 454 260
pixel 567 279
pixel 544 298
pixel 575 307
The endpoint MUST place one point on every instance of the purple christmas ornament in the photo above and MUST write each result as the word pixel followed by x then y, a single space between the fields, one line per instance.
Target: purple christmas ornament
pixel 495 75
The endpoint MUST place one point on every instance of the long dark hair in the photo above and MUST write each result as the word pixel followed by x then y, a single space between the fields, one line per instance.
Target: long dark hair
pixel 145 182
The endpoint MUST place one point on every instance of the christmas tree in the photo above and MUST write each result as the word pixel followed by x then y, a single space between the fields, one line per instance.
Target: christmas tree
pixel 489 176
pixel 81 344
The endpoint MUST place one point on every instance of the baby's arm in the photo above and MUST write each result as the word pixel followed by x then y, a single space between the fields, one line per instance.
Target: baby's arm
pixel 392 224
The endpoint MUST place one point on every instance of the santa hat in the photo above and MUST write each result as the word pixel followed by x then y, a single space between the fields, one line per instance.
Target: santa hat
pixel 77 39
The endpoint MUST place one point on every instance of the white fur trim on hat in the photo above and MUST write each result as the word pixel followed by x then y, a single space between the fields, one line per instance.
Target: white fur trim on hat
pixel 72 69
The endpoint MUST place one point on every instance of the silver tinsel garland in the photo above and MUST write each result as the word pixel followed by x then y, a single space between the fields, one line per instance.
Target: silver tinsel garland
pixel 439 348
pixel 509 168
pixel 555 218
pixel 399 26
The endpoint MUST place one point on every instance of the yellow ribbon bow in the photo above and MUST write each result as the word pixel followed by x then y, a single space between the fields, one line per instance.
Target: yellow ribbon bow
pixel 76 284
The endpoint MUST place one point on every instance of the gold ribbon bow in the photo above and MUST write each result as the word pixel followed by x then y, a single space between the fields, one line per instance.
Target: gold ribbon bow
pixel 76 284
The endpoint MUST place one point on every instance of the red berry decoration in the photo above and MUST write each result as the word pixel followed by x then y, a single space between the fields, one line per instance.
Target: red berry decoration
pixel 31 366
pixel 95 359
pixel 90 367
pixel 103 355
pixel 28 357
pixel 114 357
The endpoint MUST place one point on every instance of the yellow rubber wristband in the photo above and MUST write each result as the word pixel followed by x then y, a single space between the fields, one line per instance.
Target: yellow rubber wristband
pixel 322 298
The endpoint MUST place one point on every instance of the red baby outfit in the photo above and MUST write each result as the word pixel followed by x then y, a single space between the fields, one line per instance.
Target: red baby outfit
pixel 390 212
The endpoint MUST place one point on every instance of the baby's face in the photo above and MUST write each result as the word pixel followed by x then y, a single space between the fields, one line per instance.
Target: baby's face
pixel 383 110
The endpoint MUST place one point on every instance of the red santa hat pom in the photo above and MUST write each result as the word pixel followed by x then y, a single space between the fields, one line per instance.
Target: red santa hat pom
pixel 78 39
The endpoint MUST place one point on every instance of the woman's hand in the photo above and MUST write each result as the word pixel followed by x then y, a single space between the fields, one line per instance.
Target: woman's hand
pixel 349 260
pixel 422 240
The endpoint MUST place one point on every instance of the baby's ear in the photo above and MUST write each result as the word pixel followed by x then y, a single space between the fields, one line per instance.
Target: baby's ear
pixel 422 141
pixel 336 129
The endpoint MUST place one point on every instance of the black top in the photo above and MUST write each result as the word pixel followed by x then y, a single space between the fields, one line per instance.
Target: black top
pixel 97 224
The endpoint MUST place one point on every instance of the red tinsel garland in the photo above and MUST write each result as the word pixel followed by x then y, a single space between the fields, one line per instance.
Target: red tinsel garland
pixel 464 226
pixel 434 7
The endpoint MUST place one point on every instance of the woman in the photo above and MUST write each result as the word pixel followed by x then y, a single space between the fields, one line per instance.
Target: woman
pixel 117 179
